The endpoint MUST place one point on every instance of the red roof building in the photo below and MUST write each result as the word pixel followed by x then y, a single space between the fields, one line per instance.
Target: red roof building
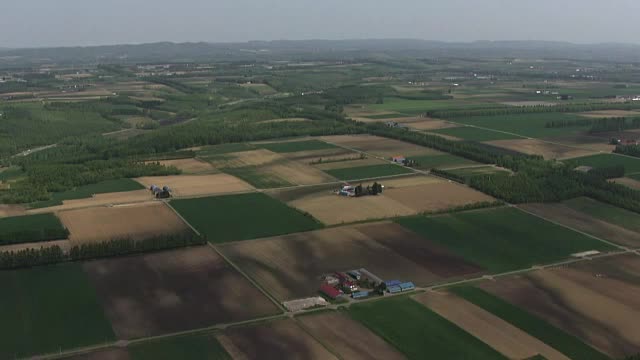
pixel 330 291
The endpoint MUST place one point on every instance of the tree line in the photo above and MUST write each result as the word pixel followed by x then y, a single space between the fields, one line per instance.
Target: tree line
pixel 515 110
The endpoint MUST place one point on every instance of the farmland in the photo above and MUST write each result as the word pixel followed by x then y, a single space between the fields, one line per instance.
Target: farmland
pixel 526 125
pixel 31 228
pixel 370 171
pixel 378 146
pixel 605 212
pixel 195 185
pixel 631 165
pixel 502 239
pixel 472 133
pixel 87 191
pixel 416 330
pixel 538 147
pixel 223 218
pixel 295 146
pixel 440 161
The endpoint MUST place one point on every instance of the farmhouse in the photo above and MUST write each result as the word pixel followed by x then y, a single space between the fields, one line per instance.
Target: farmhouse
pixel 330 291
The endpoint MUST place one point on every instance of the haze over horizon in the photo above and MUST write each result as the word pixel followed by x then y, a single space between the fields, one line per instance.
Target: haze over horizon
pixel 39 23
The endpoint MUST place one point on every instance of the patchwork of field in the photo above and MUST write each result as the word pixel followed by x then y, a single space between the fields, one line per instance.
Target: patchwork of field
pixel 588 300
pixel 189 166
pixel 291 266
pixel 507 339
pixel 369 171
pixel 31 228
pixel 295 146
pixel 108 199
pixel 195 185
pixel 402 196
pixel 605 212
pixel 313 157
pixel 346 337
pixel 378 146
pixel 539 147
pixel 609 113
pixel 472 133
pixel 135 221
pixel 281 339
pixel 502 239
pixel 172 291
pixel 526 125
pixel 565 215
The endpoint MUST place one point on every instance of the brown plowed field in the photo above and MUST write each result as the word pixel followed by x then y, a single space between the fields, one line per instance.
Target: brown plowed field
pixel 348 338
pixel 566 216
pixel 505 338
pixel 277 340
pixel 112 354
pixel 173 291
pixel 588 301
pixel 291 266
pixel 136 221
pixel 357 161
pixel 402 197
pixel 628 182
pixel 538 147
pixel 432 124
pixel 194 185
pixel 378 146
pixel 189 166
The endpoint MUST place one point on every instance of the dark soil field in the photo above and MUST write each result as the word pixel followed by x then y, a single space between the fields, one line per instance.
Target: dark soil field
pixel 277 340
pixel 173 291
pixel 31 228
pixel 291 266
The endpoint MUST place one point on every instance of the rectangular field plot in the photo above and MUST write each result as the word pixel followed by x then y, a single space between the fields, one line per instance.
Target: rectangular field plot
pixel 605 212
pixel 474 134
pixel 87 191
pixel 295 146
pixel 539 147
pixel 479 170
pixel 529 125
pixel 291 266
pixel 379 146
pixel 137 221
pixel 190 166
pixel 242 217
pixel 346 337
pixel 402 196
pixel 631 165
pixel 416 331
pixel 442 161
pixel 502 239
pixel 369 171
pixel 31 228
pixel 280 339
pixel 195 185
pixel 49 308
pixel 173 291
pixel 509 340
pixel 565 215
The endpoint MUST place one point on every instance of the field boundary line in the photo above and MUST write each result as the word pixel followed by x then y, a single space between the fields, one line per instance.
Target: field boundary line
pixel 168 204
pixel 308 332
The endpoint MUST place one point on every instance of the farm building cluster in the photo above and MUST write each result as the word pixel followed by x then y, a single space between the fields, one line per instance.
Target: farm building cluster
pixel 360 284
pixel 399 159
pixel 359 190
pixel 160 192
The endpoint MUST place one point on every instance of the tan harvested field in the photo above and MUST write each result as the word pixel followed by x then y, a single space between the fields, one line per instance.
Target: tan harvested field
pixel 291 266
pixel 378 146
pixel 357 161
pixel 594 301
pixel 588 142
pixel 194 185
pixel 402 197
pixel 505 338
pixel 189 166
pixel 564 215
pixel 173 291
pixel 124 197
pixel 276 340
pixel 11 210
pixel 324 154
pixel 539 147
pixel 65 245
pixel 137 221
pixel 610 113
pixel 348 338
pixel 432 124
pixel 628 182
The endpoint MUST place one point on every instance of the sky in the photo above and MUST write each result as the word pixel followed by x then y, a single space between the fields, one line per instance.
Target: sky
pixel 40 23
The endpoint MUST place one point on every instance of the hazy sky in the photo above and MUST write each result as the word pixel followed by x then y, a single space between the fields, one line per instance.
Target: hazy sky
pixel 28 23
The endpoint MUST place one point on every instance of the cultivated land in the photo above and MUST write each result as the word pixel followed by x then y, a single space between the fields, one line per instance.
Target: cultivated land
pixel 402 196
pixel 474 134
pixel 510 341
pixel 196 185
pixel 30 228
pixel 296 146
pixel 281 339
pixel 441 161
pixel 350 162
pixel 539 147
pixel 567 216
pixel 88 191
pixel 242 217
pixel 605 212
pixel 416 330
pixel 346 337
pixel 189 166
pixel 583 300
pixel 291 266
pixel 378 146
pixel 631 165
pixel 108 199
pixel 529 125
pixel 135 221
pixel 502 239
pixel 173 291
pixel 478 170
pixel 369 171
pixel 70 317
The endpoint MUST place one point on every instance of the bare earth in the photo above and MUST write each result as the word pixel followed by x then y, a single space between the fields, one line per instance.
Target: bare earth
pixel 125 197
pixel 378 146
pixel 432 124
pixel 566 216
pixel 599 309
pixel 172 291
pixel 594 143
pixel 628 182
pixel 348 338
pixel 136 221
pixel 194 185
pixel 538 147
pixel 505 338
pixel 11 210
pixel 190 166
pixel 290 266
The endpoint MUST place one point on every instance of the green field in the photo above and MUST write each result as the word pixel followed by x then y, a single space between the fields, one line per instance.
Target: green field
pixel 295 146
pixel 549 334
pixel 634 176
pixel 87 191
pixel 419 332
pixel 502 239
pixel 411 107
pixel 31 228
pixel 606 212
pixel 367 172
pixel 47 309
pixel 475 134
pixel 440 161
pixel 479 170
pixel 199 347
pixel 242 217
pixel 254 176
pixel 214 150
pixel 631 165
pixel 530 125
